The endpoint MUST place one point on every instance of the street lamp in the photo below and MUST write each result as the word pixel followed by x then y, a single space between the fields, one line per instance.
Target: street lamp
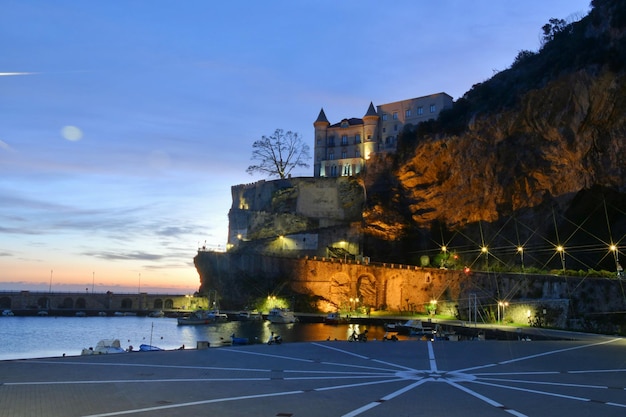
pixel 485 250
pixel 561 250
pixel 618 268
pixel 520 250
pixel 502 305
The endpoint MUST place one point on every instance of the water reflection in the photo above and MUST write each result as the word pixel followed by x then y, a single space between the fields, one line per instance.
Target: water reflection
pixel 260 332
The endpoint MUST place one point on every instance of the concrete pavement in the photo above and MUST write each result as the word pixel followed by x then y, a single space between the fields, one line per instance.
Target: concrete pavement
pixel 407 378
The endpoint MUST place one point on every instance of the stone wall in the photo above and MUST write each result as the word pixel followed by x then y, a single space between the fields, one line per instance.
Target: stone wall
pixel 564 302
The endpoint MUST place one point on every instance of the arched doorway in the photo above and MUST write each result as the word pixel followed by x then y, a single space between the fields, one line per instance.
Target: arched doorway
pixel 169 303
pixel 366 291
pixel 43 303
pixel 67 303
pixel 339 291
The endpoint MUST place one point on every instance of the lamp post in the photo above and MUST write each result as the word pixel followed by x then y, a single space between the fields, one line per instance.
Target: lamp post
pixel 503 305
pixel 485 250
pixel 561 250
pixel 520 250
pixel 618 268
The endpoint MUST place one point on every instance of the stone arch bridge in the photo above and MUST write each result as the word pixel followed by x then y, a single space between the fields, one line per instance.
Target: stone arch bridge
pixel 60 303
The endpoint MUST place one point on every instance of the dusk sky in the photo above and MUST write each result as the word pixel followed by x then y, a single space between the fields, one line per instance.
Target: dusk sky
pixel 124 124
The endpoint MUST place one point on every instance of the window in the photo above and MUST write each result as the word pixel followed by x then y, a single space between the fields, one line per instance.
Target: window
pixel 369 137
pixel 395 115
pixel 433 108
pixel 357 153
pixel 384 129
pixel 331 155
pixel 407 113
pixel 395 128
pixel 344 140
pixel 345 123
pixel 344 154
pixel 420 110
pixel 331 141
pixel 384 117
pixel 357 138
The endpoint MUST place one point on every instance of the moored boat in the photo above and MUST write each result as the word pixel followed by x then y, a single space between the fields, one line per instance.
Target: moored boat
pixel 281 316
pixel 149 348
pixel 104 346
pixel 334 318
pixel 249 316
pixel 200 317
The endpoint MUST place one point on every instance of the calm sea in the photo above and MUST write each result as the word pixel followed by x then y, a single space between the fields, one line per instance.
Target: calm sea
pixel 38 337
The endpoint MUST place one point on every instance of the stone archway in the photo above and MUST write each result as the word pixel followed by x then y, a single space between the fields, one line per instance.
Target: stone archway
pixel 366 291
pixel 81 303
pixel 68 303
pixel 169 304
pixel 43 303
pixel 339 290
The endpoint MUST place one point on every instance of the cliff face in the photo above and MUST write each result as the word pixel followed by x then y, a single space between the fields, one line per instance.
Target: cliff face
pixel 549 154
pixel 564 138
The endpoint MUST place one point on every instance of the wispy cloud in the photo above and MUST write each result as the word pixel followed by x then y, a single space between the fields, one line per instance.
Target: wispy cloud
pixel 4 146
pixel 9 74
pixel 125 256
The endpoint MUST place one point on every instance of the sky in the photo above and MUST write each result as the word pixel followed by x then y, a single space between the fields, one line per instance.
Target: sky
pixel 125 123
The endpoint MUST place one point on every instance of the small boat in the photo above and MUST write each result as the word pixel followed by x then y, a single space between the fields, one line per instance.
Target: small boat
pixel 42 313
pixel 81 314
pixel 249 316
pixel 199 317
pixel 334 318
pixel 7 313
pixel 105 346
pixel 239 340
pixel 281 315
pixel 411 327
pixel 156 314
pixel 149 348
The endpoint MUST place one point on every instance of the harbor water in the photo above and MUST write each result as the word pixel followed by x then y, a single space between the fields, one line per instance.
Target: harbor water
pixel 38 337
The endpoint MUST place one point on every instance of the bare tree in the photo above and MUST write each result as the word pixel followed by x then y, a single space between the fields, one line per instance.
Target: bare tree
pixel 278 154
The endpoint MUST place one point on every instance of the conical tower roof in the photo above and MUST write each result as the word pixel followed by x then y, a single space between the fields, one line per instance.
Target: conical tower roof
pixel 371 111
pixel 322 117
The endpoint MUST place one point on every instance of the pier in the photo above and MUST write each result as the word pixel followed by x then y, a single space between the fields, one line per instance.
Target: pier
pixel 96 303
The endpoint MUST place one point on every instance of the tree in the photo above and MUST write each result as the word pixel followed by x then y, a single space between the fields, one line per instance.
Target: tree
pixel 279 154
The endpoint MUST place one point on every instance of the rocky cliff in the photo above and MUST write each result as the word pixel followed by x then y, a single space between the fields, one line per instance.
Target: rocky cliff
pixel 536 156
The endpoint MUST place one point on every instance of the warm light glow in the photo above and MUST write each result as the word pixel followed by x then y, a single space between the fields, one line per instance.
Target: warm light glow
pixel 444 249
pixel 560 248
pixel 520 249
pixel 433 301
pixel 613 248
pixel 484 249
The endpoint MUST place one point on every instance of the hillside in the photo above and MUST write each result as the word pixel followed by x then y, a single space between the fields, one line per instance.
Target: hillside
pixel 533 156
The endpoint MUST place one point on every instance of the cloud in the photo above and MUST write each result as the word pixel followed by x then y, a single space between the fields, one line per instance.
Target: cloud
pixel 10 74
pixel 5 146
pixel 124 256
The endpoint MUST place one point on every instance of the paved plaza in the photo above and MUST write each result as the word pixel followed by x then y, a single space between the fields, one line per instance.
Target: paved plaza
pixel 335 378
